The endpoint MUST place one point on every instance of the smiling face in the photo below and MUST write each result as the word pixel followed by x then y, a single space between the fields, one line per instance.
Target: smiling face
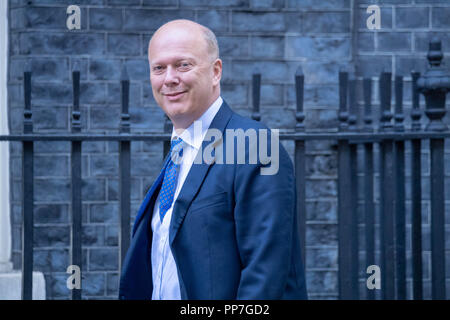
pixel 185 78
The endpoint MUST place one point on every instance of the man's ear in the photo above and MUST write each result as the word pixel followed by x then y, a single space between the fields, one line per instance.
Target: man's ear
pixel 217 69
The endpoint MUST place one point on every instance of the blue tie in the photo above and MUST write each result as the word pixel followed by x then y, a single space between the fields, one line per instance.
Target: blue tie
pixel 170 177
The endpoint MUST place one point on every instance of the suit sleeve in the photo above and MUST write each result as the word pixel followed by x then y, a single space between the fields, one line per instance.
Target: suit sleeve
pixel 264 217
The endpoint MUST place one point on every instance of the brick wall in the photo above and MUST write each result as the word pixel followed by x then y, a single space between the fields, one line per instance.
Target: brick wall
pixel 274 36
pixel 401 46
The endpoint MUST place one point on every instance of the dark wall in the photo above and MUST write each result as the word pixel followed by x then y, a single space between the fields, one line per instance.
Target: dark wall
pixel 274 36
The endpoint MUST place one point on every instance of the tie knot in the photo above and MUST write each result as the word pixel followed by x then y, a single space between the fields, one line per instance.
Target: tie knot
pixel 176 150
pixel 175 142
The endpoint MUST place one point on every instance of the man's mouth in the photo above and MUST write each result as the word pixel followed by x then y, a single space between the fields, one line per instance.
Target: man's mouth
pixel 174 95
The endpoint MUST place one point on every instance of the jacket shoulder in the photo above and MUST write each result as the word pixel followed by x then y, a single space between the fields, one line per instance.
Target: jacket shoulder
pixel 238 121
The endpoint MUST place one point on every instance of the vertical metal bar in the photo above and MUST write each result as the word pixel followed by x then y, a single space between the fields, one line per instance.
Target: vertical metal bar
pixel 344 198
pixel 381 92
pixel 256 92
pixel 166 143
pixel 28 195
pixel 344 221
pixel 387 193
pixel 416 114
pixel 400 194
pixel 75 154
pixel 352 120
pixel 368 184
pixel 399 127
pixel 299 91
pixel 354 222
pixel 387 213
pixel 369 218
pixel 434 85
pixel 352 109
pixel 343 89
pixel 437 219
pixel 300 163
pixel 416 193
pixel 125 171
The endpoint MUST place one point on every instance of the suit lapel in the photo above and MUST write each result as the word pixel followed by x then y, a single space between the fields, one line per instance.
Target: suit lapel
pixel 196 175
pixel 149 197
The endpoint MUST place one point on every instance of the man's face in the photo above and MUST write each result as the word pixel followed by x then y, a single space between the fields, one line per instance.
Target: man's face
pixel 182 74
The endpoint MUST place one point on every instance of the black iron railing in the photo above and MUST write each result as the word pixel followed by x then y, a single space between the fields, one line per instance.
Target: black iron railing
pixel 390 136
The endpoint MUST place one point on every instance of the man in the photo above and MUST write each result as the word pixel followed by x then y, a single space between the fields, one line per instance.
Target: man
pixel 210 230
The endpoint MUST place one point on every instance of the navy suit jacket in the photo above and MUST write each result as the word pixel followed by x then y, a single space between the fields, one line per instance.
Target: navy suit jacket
pixel 233 232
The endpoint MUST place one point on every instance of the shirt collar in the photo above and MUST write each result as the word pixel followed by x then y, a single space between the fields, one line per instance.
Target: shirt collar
pixel 191 135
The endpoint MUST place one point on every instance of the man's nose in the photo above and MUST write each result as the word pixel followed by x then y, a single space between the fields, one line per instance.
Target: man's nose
pixel 171 77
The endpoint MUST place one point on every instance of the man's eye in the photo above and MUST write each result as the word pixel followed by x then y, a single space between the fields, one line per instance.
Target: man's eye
pixel 184 65
pixel 157 68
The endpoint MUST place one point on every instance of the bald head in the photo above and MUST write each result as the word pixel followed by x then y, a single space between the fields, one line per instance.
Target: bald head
pixel 185 70
pixel 193 28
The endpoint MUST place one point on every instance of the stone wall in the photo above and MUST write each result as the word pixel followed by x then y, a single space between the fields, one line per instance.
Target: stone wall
pixel 401 46
pixel 273 36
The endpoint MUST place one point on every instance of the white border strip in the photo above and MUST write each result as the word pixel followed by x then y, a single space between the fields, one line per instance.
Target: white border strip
pixel 5 226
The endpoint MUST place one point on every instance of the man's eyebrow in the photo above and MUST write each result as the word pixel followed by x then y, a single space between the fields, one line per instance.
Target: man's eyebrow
pixel 176 60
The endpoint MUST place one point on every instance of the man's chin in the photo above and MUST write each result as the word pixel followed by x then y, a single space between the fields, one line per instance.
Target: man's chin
pixel 176 110
pixel 177 114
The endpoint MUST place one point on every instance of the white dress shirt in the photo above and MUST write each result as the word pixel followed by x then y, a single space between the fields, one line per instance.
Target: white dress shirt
pixel 166 285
